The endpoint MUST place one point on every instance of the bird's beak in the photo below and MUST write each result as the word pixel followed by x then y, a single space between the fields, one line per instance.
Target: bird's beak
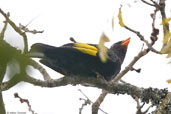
pixel 126 42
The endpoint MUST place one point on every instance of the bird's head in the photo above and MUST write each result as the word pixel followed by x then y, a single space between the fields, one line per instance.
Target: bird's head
pixel 120 48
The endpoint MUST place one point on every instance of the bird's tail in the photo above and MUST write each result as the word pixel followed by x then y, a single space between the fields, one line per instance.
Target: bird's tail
pixel 38 50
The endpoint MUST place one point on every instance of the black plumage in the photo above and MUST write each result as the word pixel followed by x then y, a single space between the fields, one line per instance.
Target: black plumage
pixel 81 59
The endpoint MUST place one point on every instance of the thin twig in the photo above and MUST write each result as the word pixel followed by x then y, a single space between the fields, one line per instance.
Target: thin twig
pixel 143 39
pixel 148 3
pixel 129 67
pixel 4 29
pixel 25 101
pixel 25 29
pixel 139 107
pixel 90 101
pixel 86 102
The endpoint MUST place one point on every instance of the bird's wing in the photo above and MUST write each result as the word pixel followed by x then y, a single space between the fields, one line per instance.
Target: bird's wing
pixel 52 66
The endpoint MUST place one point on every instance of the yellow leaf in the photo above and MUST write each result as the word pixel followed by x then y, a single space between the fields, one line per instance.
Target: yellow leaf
pixel 169 81
pixel 166 21
pixel 169 54
pixel 167 37
pixel 120 18
pixel 167 45
pixel 165 49
pixel 102 49
pixel 113 23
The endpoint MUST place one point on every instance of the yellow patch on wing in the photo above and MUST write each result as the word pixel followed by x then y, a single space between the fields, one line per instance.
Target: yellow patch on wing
pixel 86 48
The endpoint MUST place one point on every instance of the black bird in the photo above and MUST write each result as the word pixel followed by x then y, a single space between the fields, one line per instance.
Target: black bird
pixel 81 59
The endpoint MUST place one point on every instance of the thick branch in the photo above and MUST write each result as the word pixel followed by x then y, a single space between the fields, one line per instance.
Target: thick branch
pixel 146 95
pixel 12 82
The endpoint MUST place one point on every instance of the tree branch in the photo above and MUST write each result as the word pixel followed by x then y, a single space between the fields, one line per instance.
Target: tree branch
pixel 40 69
pixel 148 3
pixel 12 82
pixel 136 58
pixel 96 104
pixel 2 107
pixel 25 29
pixel 163 14
pixel 146 95
pixel 25 101
pixel 17 29
pixel 165 104
pixel 3 30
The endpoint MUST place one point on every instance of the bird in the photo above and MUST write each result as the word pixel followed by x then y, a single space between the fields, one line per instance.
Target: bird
pixel 81 59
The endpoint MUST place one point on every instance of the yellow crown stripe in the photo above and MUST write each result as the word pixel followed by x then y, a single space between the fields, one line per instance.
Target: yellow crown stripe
pixel 87 51
pixel 86 46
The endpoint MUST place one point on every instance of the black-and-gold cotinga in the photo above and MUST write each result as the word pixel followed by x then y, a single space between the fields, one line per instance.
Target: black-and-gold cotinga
pixel 81 59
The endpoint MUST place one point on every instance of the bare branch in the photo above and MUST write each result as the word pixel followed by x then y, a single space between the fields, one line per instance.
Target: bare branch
pixel 98 102
pixel 4 29
pixel 163 14
pixel 24 101
pixel 40 69
pixel 25 29
pixel 86 102
pixel 139 107
pixel 143 39
pixel 148 3
pixel 7 85
pixel 129 67
pixel 146 95
pixel 90 102
pixel 17 29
